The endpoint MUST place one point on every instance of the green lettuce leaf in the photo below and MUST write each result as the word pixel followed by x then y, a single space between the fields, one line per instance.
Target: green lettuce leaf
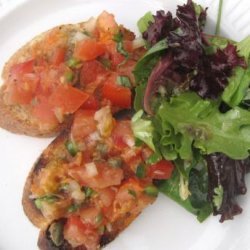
pixel 144 21
pixel 238 84
pixel 189 122
pixel 143 129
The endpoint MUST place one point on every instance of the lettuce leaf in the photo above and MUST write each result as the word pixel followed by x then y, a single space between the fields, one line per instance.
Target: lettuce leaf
pixel 238 83
pixel 144 22
pixel 189 122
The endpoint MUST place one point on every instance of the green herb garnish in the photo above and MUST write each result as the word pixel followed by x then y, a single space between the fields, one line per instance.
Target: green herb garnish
pixel 71 147
pixel 123 81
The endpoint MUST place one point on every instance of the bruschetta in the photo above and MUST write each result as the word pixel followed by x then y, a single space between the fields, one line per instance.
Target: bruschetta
pixel 85 65
pixel 90 183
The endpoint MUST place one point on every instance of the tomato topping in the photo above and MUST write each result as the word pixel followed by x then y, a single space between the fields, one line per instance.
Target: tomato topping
pixel 58 56
pixel 22 91
pixel 106 176
pixel 106 26
pixel 77 233
pixel 43 111
pixel 68 98
pixel 122 134
pixel 90 71
pixel 84 124
pixel 22 68
pixel 91 103
pixel 161 170
pixel 118 95
pixel 87 50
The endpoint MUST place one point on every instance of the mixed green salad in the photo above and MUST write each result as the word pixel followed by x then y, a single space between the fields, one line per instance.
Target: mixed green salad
pixel 192 105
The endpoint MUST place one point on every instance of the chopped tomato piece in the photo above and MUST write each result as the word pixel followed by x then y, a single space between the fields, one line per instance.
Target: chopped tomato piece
pixel 91 103
pixel 90 71
pixel 22 68
pixel 106 26
pixel 106 176
pixel 122 134
pixel 43 111
pixel 87 50
pixel 84 124
pixel 22 91
pixel 58 56
pixel 89 215
pixel 68 98
pixel 118 95
pixel 77 233
pixel 161 170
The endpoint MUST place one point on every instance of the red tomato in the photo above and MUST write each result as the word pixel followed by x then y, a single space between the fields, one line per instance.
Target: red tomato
pixel 68 98
pixel 77 233
pixel 84 124
pixel 22 91
pixel 122 134
pixel 22 68
pixel 118 95
pixel 161 170
pixel 91 103
pixel 90 71
pixel 87 50
pixel 43 111
pixel 106 176
pixel 58 56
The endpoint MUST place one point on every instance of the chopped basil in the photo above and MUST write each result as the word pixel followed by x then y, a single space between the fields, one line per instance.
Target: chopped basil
pixel 101 229
pixel 64 187
pixel 118 38
pixel 89 192
pixel 154 158
pixel 115 162
pixel 121 50
pixel 132 192
pixel 123 81
pixel 140 171
pixel 105 62
pixel 56 233
pixel 102 148
pixel 71 147
pixel 73 63
pixel 51 198
pixel 73 208
pixel 99 218
pixel 69 76
pixel 151 191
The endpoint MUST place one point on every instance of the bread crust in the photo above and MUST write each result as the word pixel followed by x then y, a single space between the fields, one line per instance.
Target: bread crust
pixel 15 118
pixel 34 215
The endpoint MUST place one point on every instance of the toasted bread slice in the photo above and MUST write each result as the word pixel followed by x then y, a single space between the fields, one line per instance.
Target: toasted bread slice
pixel 16 118
pixel 60 70
pixel 86 181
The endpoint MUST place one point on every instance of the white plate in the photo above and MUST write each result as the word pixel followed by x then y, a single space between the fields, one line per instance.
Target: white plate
pixel 164 225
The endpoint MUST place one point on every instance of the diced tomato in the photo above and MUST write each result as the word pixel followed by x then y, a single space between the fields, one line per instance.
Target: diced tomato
pixel 22 91
pixel 118 95
pixel 107 196
pixel 90 71
pixel 122 134
pixel 161 170
pixel 87 50
pixel 89 215
pixel 106 26
pixel 58 56
pixel 91 103
pixel 22 68
pixel 68 98
pixel 77 233
pixel 106 177
pixel 84 124
pixel 43 111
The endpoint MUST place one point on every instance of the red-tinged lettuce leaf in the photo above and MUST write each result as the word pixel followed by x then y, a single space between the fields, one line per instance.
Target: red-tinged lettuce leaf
pixel 205 73
pixel 226 180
